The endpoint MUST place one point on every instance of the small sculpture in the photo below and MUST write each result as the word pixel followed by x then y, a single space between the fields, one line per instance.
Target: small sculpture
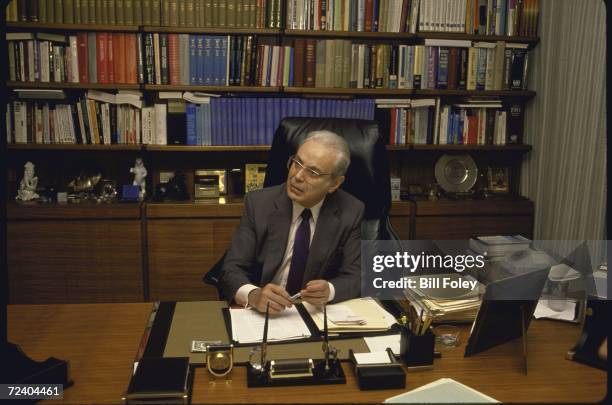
pixel 27 187
pixel 140 172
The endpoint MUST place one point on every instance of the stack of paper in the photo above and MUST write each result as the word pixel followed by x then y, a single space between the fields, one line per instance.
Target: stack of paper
pixel 493 246
pixel 372 317
pixel 248 324
pixel 447 304
pixel 442 391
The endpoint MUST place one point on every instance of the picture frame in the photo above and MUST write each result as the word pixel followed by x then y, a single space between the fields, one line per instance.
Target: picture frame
pixel 498 179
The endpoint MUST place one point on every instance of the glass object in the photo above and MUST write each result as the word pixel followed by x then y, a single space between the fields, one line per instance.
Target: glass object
pixel 447 336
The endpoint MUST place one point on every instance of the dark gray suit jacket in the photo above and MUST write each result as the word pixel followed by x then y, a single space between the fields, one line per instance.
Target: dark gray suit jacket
pixel 260 241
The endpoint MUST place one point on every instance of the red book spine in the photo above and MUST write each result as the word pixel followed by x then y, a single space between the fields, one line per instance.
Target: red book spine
pixel 369 7
pixel 403 16
pixel 174 61
pixel 131 59
pixel 452 68
pixel 101 57
pixel 311 60
pixel 83 57
pixel 298 65
pixel 110 58
pixel 119 57
pixel 472 137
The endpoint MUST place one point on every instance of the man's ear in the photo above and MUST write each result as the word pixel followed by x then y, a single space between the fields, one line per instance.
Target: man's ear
pixel 337 182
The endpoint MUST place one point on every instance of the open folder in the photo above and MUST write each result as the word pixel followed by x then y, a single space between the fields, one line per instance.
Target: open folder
pixel 367 314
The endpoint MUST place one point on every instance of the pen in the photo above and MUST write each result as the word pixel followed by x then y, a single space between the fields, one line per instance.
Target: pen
pixel 264 342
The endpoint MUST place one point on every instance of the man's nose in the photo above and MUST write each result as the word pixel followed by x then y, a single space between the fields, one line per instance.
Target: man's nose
pixel 299 175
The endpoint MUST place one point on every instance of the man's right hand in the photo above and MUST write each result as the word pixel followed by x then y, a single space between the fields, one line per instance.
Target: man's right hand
pixel 271 293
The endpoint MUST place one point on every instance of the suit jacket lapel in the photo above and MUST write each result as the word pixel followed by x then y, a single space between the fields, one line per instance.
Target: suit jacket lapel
pixel 323 237
pixel 278 233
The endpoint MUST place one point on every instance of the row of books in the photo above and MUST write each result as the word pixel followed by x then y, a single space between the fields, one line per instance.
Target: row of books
pixel 471 122
pixel 171 13
pixel 481 17
pixel 353 15
pixel 85 121
pixel 439 64
pixel 97 119
pixel 87 57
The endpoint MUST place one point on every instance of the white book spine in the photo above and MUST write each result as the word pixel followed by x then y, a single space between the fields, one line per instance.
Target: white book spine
pixel 74 60
pixel 361 15
pixel 161 137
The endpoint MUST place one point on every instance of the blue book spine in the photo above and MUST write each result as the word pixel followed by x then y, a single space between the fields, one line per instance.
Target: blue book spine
pixel 318 108
pixel 193 60
pixel 295 107
pixel 376 5
pixel 208 124
pixel 278 102
pixel 198 124
pixel 269 121
pixel 191 124
pixel 222 134
pixel 214 102
pixel 216 76
pixel 261 121
pixel 303 108
pixel 223 79
pixel 460 128
pixel 201 64
pixel 207 71
pixel 442 82
pixel 251 121
pixel 231 111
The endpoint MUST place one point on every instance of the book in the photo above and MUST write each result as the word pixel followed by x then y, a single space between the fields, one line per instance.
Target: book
pixel 163 379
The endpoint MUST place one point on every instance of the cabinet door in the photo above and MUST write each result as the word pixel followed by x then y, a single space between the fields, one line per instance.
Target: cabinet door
pixel 181 251
pixel 76 261
pixel 465 227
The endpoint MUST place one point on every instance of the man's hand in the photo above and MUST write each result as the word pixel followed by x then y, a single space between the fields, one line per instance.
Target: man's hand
pixel 271 293
pixel 316 292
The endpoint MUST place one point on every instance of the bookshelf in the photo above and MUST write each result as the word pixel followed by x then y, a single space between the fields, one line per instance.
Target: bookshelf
pixel 178 241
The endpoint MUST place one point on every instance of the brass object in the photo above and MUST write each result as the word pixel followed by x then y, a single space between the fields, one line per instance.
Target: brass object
pixel 219 359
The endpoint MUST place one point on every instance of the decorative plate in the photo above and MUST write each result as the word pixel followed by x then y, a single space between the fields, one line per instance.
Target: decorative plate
pixel 456 173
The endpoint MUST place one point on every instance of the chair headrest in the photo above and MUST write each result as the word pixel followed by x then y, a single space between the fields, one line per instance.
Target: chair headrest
pixel 367 177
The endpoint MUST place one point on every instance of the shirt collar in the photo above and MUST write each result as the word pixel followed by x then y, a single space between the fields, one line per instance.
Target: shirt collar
pixel 314 210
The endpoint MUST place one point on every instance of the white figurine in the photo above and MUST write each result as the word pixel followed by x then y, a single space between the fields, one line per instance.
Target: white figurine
pixel 27 187
pixel 140 172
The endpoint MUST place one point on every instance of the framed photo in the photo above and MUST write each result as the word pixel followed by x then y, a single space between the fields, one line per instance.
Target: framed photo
pixel 499 179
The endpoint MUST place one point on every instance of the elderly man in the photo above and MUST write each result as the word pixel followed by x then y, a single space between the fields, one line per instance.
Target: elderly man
pixel 301 236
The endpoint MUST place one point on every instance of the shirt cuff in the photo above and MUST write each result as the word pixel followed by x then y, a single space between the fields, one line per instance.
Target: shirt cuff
pixel 332 292
pixel 242 295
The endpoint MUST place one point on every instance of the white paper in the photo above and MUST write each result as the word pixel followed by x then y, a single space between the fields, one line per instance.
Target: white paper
pixel 544 311
pixel 372 358
pixel 380 343
pixel 343 314
pixel 442 391
pixel 248 324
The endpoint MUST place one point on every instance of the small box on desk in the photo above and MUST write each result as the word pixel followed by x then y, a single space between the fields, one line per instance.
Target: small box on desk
pixel 160 380
pixel 378 376
pixel 417 351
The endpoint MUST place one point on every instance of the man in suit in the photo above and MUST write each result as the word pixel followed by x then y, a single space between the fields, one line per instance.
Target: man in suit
pixel 301 236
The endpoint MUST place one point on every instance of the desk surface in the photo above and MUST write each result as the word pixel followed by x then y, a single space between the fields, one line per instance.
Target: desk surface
pixel 101 340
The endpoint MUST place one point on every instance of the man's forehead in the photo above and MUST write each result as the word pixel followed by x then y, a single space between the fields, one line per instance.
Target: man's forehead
pixel 315 154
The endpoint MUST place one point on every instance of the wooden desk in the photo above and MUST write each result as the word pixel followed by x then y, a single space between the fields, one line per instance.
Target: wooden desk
pixel 100 341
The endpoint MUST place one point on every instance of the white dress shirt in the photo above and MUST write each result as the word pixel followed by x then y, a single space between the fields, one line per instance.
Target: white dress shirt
pixel 280 278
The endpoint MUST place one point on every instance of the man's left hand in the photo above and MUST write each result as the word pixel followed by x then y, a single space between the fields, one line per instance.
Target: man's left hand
pixel 316 292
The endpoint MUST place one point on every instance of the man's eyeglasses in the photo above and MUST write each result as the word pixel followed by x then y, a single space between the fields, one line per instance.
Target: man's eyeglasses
pixel 308 171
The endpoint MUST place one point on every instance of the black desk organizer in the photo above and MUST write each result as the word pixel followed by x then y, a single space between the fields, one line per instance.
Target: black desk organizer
pixel 335 375
pixel 379 376
pixel 417 351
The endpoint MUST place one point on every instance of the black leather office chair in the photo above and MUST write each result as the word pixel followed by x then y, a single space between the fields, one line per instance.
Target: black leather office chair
pixel 367 177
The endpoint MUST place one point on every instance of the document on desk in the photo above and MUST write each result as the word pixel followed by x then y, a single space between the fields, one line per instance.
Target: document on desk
pixel 356 315
pixel 248 324
pixel 442 391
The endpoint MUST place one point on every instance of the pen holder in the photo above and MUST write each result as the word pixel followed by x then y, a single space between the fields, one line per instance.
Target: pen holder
pixel 417 351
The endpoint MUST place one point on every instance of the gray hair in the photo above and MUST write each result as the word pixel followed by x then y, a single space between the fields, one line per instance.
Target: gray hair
pixel 336 142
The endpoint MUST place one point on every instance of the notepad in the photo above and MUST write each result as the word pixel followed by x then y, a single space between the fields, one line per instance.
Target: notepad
pixel 248 324
pixel 442 391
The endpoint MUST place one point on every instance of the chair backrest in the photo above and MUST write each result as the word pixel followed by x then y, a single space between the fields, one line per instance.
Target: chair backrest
pixel 367 177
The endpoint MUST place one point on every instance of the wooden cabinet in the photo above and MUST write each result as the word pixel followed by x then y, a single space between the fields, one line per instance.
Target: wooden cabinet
pixel 74 254
pixel 463 219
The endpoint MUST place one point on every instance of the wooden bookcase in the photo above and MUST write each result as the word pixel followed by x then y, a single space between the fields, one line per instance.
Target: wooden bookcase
pixel 160 251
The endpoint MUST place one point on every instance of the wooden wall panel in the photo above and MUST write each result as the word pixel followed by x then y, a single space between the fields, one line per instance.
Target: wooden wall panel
pixel 77 261
pixel 181 251
pixel 464 227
